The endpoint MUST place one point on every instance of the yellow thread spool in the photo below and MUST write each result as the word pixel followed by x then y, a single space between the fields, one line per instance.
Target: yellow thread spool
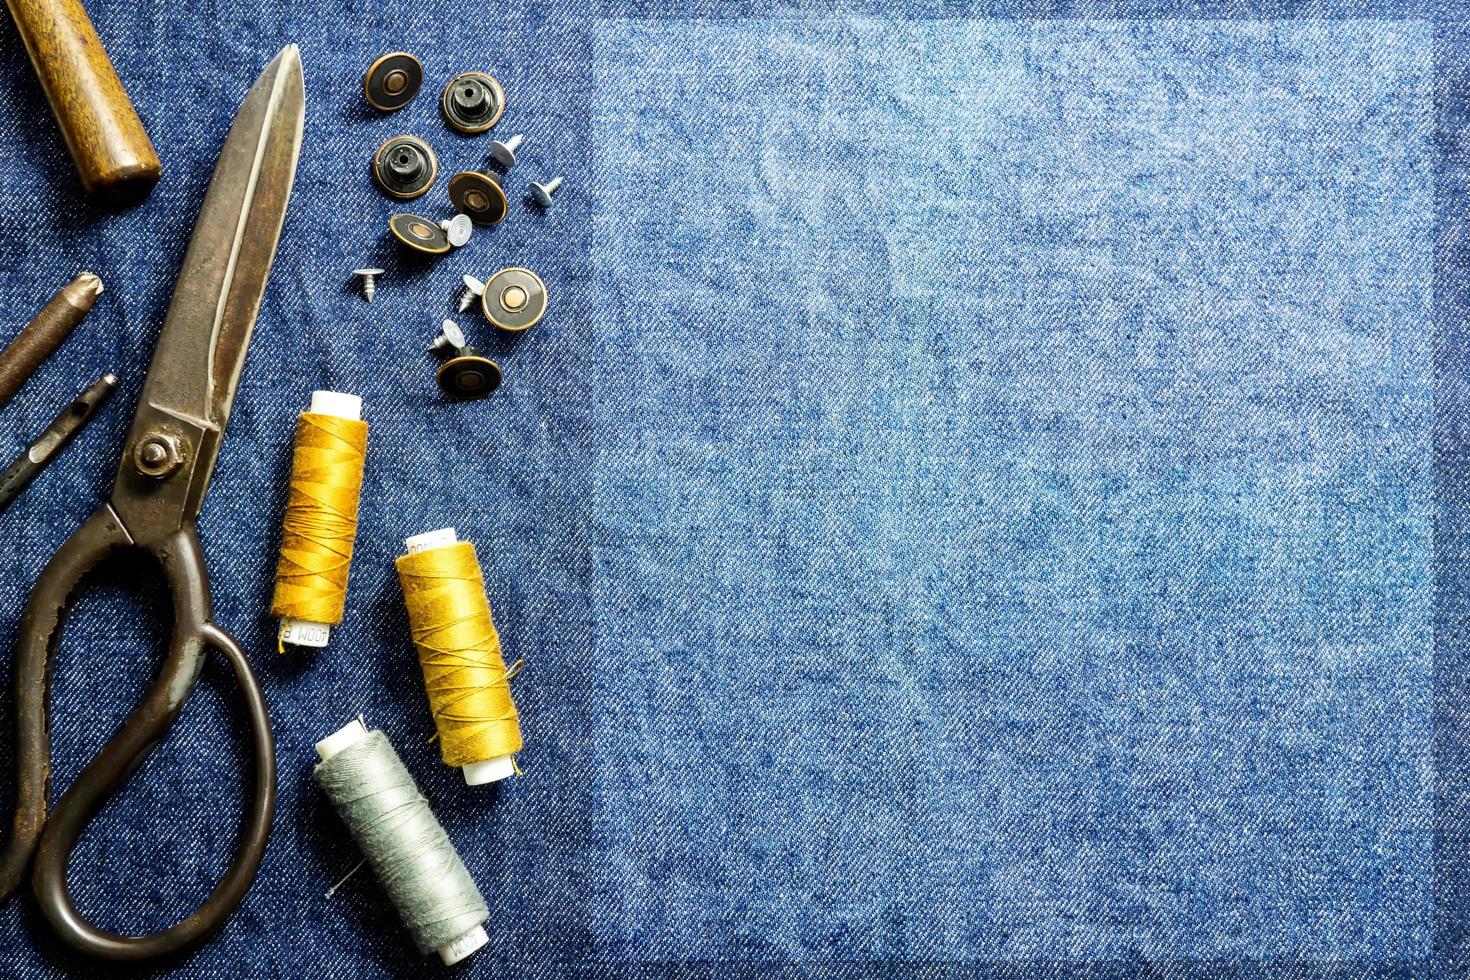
pixel 459 651
pixel 320 526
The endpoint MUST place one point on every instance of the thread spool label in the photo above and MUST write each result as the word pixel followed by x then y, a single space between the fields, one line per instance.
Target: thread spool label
pixel 464 945
pixel 303 634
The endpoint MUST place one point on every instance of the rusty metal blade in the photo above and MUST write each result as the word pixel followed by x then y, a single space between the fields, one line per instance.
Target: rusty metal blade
pixel 201 349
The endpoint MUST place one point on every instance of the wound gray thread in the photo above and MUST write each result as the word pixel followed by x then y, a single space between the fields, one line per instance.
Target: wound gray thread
pixel 403 841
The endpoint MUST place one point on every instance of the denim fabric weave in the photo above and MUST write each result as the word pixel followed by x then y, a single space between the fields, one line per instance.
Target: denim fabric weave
pixel 984 501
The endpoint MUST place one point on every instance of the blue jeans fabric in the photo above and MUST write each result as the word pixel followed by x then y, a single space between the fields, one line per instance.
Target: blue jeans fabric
pixel 986 499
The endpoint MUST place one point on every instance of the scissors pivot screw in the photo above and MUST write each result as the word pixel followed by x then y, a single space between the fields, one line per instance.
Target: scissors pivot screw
pixel 473 290
pixel 543 193
pixel 158 455
pixel 505 153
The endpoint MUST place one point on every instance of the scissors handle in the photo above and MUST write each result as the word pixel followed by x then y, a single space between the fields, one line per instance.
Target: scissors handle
pixel 50 841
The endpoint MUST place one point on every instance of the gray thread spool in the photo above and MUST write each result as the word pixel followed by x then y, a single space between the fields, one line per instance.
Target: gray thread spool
pixel 403 841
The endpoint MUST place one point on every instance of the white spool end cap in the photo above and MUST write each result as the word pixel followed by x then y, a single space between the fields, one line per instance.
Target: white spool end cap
pixel 489 771
pixel 349 734
pixel 463 946
pixel 430 540
pixel 337 403
pixel 304 633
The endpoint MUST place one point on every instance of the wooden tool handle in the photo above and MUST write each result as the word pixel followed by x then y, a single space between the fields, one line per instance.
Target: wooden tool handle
pixel 102 130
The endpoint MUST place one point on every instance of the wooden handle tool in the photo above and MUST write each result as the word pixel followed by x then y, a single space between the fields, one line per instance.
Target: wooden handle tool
pixel 102 130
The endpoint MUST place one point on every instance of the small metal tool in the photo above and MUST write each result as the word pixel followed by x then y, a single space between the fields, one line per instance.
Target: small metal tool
pixel 472 102
pixel 420 234
pixel 468 373
pixel 473 290
pixel 543 193
pixel 29 464
pixel 505 153
pixel 369 280
pixel 405 167
pixel 40 338
pixel 479 195
pixel 514 299
pixel 392 81
pixel 163 473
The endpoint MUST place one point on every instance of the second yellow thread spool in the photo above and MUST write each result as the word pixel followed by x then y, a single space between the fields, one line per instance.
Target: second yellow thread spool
pixel 320 527
pixel 459 651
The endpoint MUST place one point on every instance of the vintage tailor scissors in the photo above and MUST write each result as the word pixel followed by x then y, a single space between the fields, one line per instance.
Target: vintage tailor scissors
pixel 166 464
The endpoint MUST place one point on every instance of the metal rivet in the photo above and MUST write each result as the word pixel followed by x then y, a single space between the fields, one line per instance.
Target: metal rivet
pixel 514 299
pixel 472 102
pixel 479 196
pixel 450 338
pixel 405 167
pixel 467 373
pixel 505 153
pixel 392 81
pixel 419 233
pixel 543 193
pixel 369 279
pixel 473 290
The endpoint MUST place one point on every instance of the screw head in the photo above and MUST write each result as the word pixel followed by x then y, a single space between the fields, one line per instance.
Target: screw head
pixel 158 455
pixel 450 337
pixel 542 193
pixel 505 153
pixel 367 278
pixel 473 290
pixel 458 229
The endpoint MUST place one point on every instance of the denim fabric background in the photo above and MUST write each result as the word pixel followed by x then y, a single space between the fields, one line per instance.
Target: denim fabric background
pixel 987 499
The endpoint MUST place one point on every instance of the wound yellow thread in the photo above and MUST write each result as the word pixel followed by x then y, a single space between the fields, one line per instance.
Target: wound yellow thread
pixel 321 519
pixel 459 651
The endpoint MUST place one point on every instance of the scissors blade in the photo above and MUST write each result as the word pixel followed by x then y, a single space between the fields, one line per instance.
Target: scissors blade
pixel 201 349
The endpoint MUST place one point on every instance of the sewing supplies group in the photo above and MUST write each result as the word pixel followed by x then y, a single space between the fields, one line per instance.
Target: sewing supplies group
pixel 405 167
pixel 168 458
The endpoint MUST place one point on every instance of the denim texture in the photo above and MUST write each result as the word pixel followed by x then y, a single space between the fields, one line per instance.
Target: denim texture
pixel 987 497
